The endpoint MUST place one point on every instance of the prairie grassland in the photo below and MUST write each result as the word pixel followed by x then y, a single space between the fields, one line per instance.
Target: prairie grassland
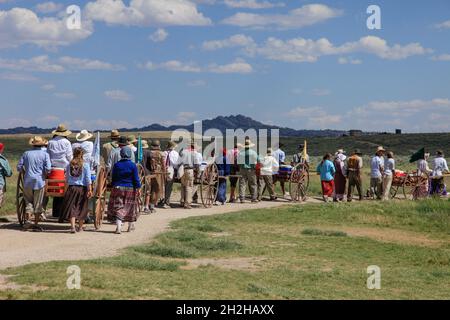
pixel 311 251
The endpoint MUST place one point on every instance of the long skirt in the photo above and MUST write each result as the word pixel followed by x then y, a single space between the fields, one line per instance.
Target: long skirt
pixel 222 192
pixel 75 204
pixel 123 205
pixel 328 188
pixel 340 182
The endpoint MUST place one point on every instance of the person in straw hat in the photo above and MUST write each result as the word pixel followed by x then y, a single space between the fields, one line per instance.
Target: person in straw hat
pixel 146 158
pixel 440 167
pixel 189 162
pixel 247 160
pixel 376 174
pixel 37 164
pixel 109 146
pixel 353 172
pixel 388 175
pixel 171 164
pixel 132 142
pixel 88 146
pixel 155 164
pixel 340 180
pixel 114 156
pixel 5 172
pixel 60 151
pixel 270 166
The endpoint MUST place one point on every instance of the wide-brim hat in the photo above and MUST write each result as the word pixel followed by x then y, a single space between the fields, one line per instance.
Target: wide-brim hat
pixel 38 141
pixel 115 134
pixel 357 152
pixel 62 131
pixel 131 139
pixel 122 141
pixel 156 145
pixel 340 151
pixel 144 144
pixel 380 149
pixel 83 136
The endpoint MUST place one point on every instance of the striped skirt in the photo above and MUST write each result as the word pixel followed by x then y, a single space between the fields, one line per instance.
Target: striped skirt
pixel 123 205
pixel 75 204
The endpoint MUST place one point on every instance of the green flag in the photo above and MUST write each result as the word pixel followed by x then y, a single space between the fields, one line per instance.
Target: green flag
pixel 419 155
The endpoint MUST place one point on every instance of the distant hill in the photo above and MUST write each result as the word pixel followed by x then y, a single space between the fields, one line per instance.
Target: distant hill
pixel 221 123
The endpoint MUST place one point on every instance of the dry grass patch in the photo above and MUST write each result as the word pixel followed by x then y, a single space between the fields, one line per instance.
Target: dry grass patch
pixel 244 264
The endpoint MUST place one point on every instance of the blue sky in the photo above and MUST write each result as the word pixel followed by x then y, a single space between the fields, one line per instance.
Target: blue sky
pixel 301 64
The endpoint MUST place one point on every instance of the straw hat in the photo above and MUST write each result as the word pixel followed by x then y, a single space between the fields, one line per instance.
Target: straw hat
pixel 357 152
pixel 61 131
pixel 380 149
pixel 131 139
pixel 156 145
pixel 38 141
pixel 340 151
pixel 144 144
pixel 115 134
pixel 83 136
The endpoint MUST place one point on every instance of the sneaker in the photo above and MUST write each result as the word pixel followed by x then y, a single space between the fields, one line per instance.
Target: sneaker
pixel 73 230
pixel 287 196
pixel 187 207
pixel 255 201
pixel 166 206
pixel 131 227
pixel 118 231
pixel 146 210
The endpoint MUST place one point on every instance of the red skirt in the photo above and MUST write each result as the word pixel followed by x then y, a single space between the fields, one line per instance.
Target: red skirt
pixel 123 205
pixel 328 188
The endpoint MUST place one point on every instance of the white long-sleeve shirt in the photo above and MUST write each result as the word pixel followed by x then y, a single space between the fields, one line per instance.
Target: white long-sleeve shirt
pixel 270 166
pixel 88 148
pixel 60 151
pixel 171 158
pixel 439 167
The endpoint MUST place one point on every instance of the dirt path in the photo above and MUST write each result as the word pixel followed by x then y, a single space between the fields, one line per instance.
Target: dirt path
pixel 19 248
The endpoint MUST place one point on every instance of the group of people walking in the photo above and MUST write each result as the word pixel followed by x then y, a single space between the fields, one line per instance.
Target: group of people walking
pixel 242 166
pixel 341 175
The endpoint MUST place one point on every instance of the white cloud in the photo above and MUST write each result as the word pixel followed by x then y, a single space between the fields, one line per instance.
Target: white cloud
pixel 306 15
pixel 63 64
pixel 49 7
pixel 314 117
pixel 65 95
pixel 48 87
pixel 237 40
pixel 159 35
pixel 442 57
pixel 38 64
pixel 19 77
pixel 8 123
pixel 146 13
pixel 88 64
pixel 321 92
pixel 97 124
pixel 443 25
pixel 252 4
pixel 20 26
pixel 344 60
pixel 237 66
pixel 307 50
pixel 118 95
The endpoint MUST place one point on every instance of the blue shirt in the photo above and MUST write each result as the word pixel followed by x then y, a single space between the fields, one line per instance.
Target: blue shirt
pixel 326 170
pixel 375 167
pixel 125 174
pixel 223 166
pixel 83 180
pixel 280 156
pixel 37 164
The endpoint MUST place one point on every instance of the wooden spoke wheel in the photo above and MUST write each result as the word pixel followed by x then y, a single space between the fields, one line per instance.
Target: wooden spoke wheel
pixel 22 215
pixel 419 187
pixel 299 183
pixel 100 197
pixel 209 185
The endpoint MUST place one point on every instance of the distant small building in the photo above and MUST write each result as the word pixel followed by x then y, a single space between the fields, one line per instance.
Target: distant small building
pixel 355 133
pixel 398 131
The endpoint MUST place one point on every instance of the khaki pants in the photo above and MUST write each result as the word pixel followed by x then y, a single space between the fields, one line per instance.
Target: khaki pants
pixel 354 180
pixel 187 187
pixel 1 196
pixel 248 177
pixel 267 182
pixel 387 183
pixel 376 187
pixel 34 200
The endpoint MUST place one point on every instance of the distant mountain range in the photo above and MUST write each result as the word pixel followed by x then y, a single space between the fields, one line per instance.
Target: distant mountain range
pixel 221 123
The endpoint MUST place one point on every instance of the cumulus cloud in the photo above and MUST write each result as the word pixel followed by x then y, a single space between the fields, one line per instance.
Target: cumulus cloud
pixel 118 95
pixel 88 64
pixel 443 25
pixel 306 15
pixel 442 57
pixel 252 4
pixel 159 35
pixel 20 26
pixel 146 13
pixel 237 40
pixel 19 77
pixel 237 66
pixel 345 60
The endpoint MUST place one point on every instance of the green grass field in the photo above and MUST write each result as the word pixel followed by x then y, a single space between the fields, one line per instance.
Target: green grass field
pixel 313 251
